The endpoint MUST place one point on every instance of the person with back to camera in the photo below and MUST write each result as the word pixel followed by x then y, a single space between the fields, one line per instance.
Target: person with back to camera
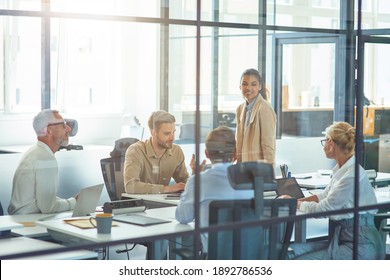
pixel 256 121
pixel 339 144
pixel 36 180
pixel 214 184
pixel 150 164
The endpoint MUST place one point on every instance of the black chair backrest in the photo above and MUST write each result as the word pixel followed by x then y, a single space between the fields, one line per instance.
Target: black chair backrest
pixel 226 119
pixel 244 175
pixel 257 176
pixel 121 146
pixel 268 242
pixel 112 168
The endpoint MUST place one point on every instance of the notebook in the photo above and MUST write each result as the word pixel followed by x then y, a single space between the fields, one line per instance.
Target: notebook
pixel 138 219
pixel 289 186
pixel 85 205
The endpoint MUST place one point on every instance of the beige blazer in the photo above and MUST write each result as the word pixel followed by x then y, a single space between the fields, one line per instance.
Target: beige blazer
pixel 258 140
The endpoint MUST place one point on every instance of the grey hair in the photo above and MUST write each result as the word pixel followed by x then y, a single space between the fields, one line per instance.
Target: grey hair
pixel 42 119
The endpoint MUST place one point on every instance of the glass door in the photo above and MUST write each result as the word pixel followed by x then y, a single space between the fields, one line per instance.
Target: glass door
pixel 305 77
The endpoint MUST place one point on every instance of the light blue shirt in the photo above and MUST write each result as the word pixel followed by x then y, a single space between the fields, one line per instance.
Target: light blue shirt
pixel 248 113
pixel 214 185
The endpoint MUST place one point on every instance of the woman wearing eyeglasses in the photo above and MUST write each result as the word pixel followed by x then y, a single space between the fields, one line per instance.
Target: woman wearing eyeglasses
pixel 339 144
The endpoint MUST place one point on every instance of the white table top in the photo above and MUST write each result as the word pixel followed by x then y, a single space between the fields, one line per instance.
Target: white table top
pixel 6 224
pixel 17 245
pixel 26 224
pixel 123 231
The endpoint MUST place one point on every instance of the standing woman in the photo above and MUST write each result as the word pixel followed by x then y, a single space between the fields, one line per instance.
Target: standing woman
pixel 339 144
pixel 256 121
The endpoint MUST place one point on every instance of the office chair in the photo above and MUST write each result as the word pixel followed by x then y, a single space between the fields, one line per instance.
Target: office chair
pixel 254 175
pixel 112 171
pixel 269 241
pixel 121 146
pixel 380 220
pixel 226 119
pixel 371 174
pixel 260 242
pixel 112 168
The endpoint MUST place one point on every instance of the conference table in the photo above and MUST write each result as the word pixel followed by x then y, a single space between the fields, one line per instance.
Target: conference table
pixel 316 180
pixel 25 236
pixel 23 245
pixel 129 233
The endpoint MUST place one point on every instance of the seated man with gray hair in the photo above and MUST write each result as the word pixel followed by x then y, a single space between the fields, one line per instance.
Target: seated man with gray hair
pixel 36 179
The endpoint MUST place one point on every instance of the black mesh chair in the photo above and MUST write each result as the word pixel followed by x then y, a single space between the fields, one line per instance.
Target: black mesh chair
pixel 112 168
pixel 268 240
pixel 261 242
pixel 254 175
pixel 380 220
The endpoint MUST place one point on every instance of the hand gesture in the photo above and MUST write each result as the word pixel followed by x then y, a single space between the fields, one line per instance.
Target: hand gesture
pixel 193 167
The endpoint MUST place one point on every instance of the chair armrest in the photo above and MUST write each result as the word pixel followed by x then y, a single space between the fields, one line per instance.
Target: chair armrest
pixel 184 253
pixel 378 219
pixel 188 253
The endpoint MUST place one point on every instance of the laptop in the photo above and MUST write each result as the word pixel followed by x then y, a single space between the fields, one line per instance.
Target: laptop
pixel 139 219
pixel 289 186
pixel 85 205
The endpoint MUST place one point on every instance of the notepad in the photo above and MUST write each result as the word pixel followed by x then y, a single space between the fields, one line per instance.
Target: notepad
pixel 140 220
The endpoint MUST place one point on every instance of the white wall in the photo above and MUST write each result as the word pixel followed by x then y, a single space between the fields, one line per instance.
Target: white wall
pixel 102 129
pixel 302 155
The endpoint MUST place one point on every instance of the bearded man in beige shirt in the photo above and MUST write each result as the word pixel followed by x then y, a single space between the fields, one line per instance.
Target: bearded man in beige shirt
pixel 150 164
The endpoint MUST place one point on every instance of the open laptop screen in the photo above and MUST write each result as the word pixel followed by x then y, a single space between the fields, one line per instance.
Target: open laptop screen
pixel 289 186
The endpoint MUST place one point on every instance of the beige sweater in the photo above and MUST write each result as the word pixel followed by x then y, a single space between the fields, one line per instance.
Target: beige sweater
pixel 258 140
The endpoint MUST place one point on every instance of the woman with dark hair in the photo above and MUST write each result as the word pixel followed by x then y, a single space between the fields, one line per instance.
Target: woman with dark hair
pixel 256 121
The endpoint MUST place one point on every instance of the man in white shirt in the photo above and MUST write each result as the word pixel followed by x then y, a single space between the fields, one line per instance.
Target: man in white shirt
pixel 36 179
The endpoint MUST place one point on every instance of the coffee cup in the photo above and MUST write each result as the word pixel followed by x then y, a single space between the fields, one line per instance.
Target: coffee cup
pixel 102 222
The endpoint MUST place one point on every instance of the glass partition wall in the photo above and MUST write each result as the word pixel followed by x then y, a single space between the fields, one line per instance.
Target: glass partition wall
pixel 321 61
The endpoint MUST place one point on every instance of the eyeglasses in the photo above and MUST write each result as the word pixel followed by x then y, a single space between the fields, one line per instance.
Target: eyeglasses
pixel 57 123
pixel 323 142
